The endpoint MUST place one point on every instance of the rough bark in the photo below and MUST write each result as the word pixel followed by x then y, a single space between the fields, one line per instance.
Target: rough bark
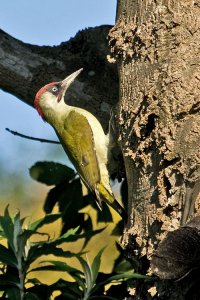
pixel 24 68
pixel 156 45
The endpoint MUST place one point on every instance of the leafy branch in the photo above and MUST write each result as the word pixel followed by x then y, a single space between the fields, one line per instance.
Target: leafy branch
pixel 21 252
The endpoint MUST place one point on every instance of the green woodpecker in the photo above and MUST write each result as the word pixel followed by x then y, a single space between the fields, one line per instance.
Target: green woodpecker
pixel 82 138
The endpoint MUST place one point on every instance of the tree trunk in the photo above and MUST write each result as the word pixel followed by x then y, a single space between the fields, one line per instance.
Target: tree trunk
pixel 157 45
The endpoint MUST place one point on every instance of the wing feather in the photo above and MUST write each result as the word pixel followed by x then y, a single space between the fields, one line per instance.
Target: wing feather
pixel 78 141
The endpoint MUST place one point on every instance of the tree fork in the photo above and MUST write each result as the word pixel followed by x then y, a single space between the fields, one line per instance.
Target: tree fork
pixel 156 46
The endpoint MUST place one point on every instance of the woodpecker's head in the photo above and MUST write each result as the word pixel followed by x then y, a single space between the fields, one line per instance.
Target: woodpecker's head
pixel 51 95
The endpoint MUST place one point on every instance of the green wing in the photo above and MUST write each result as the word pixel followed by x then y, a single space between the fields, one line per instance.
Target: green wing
pixel 78 142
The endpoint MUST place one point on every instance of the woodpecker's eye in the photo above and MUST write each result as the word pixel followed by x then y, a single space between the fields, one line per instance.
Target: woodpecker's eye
pixel 54 89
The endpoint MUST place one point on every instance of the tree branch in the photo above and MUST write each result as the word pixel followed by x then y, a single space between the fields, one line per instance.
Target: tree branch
pixel 31 137
pixel 24 68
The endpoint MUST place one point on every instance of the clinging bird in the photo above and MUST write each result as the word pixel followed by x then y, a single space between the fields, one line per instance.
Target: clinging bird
pixel 82 138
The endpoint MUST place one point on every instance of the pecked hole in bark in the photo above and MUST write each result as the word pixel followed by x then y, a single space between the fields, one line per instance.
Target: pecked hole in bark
pixel 167 163
pixel 167 186
pixel 150 126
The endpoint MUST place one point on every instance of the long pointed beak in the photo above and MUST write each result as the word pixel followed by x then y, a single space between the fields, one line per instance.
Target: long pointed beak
pixel 69 79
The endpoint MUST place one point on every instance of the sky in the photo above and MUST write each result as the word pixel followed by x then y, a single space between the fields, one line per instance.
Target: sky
pixel 39 22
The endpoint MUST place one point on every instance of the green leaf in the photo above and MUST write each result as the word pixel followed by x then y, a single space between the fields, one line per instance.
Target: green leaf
pixel 50 247
pixel 75 237
pixel 69 290
pixel 8 227
pixel 51 173
pixel 13 293
pixel 121 264
pixel 67 295
pixel 120 277
pixel 31 296
pixel 88 275
pixel 2 235
pixel 59 266
pixel 118 291
pixel 68 195
pixel 7 257
pixel 104 215
pixel 37 251
pixel 8 280
pixel 17 231
pixel 96 265
pixel 128 275
pixel 69 236
pixel 46 220
pixel 42 291
pixel 33 281
pixel 70 203
pixel 22 240
pixel 52 198
pixel 118 229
